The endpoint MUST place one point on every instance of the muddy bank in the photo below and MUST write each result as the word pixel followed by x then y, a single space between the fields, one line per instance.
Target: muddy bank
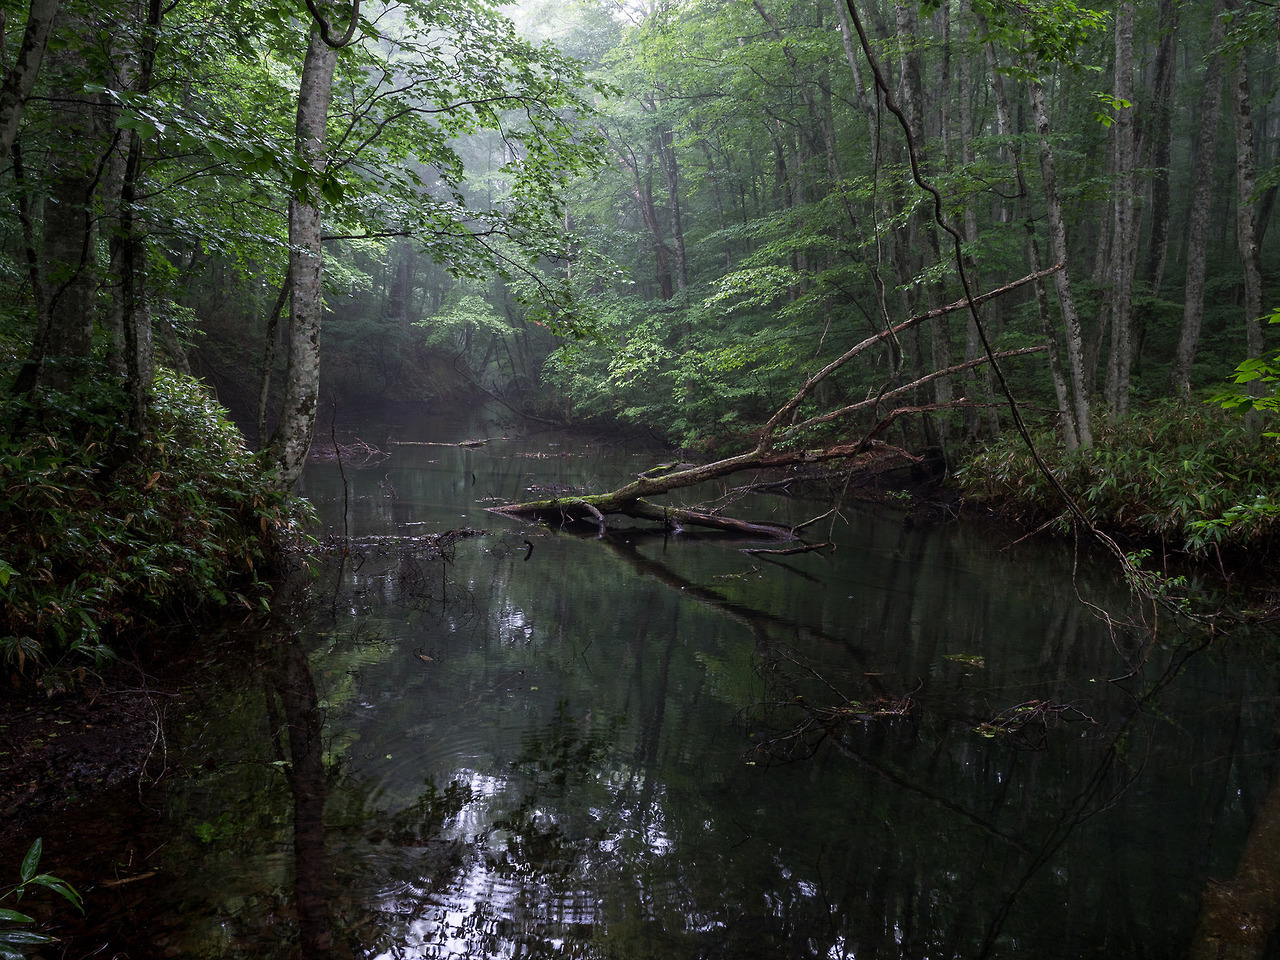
pixel 57 750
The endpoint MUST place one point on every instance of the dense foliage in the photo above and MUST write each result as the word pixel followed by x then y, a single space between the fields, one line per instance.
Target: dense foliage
pixel 1188 476
pixel 761 211
pixel 105 536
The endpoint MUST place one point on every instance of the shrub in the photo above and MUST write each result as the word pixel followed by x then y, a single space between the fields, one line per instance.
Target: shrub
pixel 104 533
pixel 1178 471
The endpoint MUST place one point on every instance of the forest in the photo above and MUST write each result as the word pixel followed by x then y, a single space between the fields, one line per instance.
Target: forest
pixel 1019 245
pixel 1005 262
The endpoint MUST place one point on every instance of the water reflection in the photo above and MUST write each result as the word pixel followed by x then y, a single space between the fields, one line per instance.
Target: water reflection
pixel 961 780
pixel 297 719
pixel 534 745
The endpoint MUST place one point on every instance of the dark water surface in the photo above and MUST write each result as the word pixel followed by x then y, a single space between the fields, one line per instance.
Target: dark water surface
pixel 554 745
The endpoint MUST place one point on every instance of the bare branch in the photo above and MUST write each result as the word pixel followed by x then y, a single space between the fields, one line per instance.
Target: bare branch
pixel 791 405
pixel 905 388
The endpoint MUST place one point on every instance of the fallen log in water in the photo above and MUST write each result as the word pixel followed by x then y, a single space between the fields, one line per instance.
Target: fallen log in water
pixel 633 499
pixel 787 425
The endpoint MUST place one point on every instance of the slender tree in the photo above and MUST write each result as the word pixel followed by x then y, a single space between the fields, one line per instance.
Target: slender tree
pixel 1246 208
pixel 1201 200
pixel 1062 279
pixel 296 424
pixel 1125 248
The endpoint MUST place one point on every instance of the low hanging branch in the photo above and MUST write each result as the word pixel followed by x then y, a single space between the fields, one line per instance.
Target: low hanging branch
pixel 631 500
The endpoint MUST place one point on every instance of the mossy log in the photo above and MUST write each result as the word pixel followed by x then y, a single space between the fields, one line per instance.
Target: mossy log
pixel 632 500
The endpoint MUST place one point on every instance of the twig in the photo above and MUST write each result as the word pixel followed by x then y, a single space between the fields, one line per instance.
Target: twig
pixel 787 551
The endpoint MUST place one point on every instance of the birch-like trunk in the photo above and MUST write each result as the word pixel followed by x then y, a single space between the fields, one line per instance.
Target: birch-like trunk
pixel 1062 279
pixel 1013 155
pixel 1198 224
pixel 296 426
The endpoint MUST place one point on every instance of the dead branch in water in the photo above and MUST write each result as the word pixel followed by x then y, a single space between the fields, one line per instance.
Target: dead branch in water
pixel 631 500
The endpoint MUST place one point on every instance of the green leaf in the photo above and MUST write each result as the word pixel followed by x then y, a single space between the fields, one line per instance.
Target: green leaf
pixel 13 916
pixel 332 190
pixel 31 861
pixel 24 936
pixel 58 886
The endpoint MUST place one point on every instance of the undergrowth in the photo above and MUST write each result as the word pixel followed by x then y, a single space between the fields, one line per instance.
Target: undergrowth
pixel 105 534
pixel 1187 474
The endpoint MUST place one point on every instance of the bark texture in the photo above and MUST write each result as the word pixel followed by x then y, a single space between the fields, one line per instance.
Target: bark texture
pixel 296 426
pixel 1062 279
pixel 20 78
pixel 1125 145
pixel 1198 223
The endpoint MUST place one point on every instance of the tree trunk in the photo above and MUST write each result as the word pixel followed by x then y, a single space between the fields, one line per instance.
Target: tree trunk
pixel 1004 118
pixel 977 382
pixel 1160 139
pixel 1062 279
pixel 642 190
pixel 1198 224
pixel 20 79
pixel 296 425
pixel 1124 249
pixel 911 97
pixel 671 173
pixel 1246 213
pixel 68 255
pixel 135 313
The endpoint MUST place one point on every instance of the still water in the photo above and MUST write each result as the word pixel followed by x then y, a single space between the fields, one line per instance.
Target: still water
pixel 926 742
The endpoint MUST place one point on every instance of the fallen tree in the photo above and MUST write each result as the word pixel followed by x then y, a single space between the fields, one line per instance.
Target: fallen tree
pixel 771 450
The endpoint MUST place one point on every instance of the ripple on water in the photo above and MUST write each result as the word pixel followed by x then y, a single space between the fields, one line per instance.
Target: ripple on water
pixel 488 908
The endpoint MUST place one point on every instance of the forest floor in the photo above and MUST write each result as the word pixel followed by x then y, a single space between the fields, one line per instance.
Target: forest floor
pixel 59 749
pixel 107 733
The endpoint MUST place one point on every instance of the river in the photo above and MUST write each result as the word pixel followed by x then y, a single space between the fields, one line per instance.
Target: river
pixel 929 741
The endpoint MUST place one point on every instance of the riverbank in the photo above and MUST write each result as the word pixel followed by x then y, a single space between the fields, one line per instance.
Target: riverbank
pixel 110 537
pixel 1182 479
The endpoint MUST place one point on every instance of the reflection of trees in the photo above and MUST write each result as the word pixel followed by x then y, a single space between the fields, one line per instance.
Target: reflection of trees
pixel 1238 917
pixel 908 835
pixel 1002 828
pixel 292 682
